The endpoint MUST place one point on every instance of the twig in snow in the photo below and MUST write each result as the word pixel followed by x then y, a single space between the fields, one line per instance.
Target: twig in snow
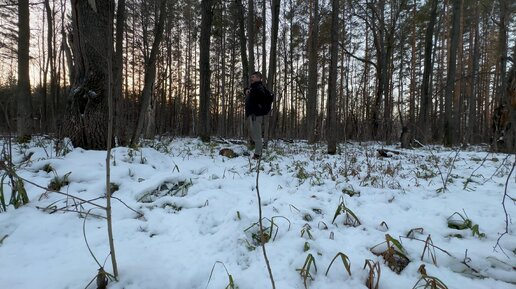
pixel 507 217
pixel 261 224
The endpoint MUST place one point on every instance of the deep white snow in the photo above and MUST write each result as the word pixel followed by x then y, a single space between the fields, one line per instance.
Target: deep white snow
pixel 199 212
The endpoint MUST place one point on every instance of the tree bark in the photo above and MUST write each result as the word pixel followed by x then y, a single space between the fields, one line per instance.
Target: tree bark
pixel 118 129
pixel 87 118
pixel 332 81
pixel 146 118
pixel 239 13
pixel 426 100
pixel 250 35
pixel 271 77
pixel 264 38
pixel 50 122
pixel 311 101
pixel 449 125
pixel 274 44
pixel 204 69
pixel 473 97
pixel 24 113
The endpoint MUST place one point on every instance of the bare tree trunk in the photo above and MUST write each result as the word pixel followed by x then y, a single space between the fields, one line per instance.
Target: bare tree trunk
pixel 475 62
pixel 457 91
pixel 332 81
pixel 311 101
pixel 271 123
pixel 264 40
pixel 250 35
pixel 505 14
pixel 511 99
pixel 413 69
pixel 274 44
pixel 24 104
pixel 449 125
pixel 204 59
pixel 118 128
pixel 426 100
pixel 146 117
pixel 510 145
pixel 50 121
pixel 239 12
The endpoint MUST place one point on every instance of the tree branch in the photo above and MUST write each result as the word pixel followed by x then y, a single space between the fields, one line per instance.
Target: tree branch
pixel 356 57
pixel 507 216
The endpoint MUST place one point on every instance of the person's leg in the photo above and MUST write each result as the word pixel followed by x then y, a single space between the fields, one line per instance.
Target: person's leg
pixel 257 133
pixel 266 122
pixel 250 136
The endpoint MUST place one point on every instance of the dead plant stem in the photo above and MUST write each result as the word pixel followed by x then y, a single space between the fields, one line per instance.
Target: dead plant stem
pixel 262 241
pixel 507 217
pixel 109 142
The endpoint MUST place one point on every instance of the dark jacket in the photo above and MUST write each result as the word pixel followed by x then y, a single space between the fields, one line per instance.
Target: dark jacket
pixel 255 100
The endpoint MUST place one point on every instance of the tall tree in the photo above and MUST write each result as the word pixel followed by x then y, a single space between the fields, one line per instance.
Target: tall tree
pixel 511 99
pixel 449 124
pixel 273 61
pixel 239 13
pixel 251 27
pixel 331 126
pixel 505 14
pixel 87 117
pixel 426 100
pixel 118 68
pixel 264 37
pixel 475 64
pixel 24 121
pixel 311 98
pixel 383 20
pixel 146 118
pixel 50 64
pixel 204 69
pixel 274 43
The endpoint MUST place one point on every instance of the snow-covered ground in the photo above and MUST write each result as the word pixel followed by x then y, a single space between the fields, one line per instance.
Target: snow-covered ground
pixel 197 214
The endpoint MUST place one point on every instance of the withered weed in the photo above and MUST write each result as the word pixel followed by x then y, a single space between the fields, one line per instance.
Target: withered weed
pixel 345 262
pixel 305 270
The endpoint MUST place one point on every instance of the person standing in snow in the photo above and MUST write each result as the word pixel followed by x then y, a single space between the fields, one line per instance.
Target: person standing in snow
pixel 258 102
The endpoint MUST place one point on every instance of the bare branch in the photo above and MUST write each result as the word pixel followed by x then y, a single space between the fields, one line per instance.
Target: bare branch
pixel 507 216
pixel 356 57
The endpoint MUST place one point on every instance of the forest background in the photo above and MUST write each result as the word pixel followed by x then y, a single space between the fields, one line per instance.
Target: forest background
pixel 441 71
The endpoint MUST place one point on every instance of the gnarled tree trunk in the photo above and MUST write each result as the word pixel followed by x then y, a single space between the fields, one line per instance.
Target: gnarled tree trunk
pixel 87 119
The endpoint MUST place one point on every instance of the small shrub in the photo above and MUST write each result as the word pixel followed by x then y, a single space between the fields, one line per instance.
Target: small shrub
pixel 345 262
pixel 428 282
pixel 231 282
pixel 113 187
pixel 305 270
pixel 19 195
pixel 412 233
pixel 47 168
pixel 306 230
pixel 351 218
pixel 58 182
pixel 430 250
pixel 373 278
pixel 463 223
pixel 306 247
pixel 270 231
pixel 394 255
pixel 351 192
